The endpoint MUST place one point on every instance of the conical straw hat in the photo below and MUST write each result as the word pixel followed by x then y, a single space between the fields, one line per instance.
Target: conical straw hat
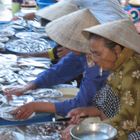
pixel 57 10
pixel 122 32
pixel 67 30
pixel 134 2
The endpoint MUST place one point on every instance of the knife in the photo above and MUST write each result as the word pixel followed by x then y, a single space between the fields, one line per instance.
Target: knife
pixel 66 118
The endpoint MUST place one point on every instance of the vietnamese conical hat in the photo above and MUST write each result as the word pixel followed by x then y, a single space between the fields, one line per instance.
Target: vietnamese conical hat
pixel 67 30
pixel 134 2
pixel 122 32
pixel 57 10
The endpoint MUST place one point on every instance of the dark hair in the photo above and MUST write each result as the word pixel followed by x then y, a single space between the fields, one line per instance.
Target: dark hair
pixel 44 21
pixel 109 44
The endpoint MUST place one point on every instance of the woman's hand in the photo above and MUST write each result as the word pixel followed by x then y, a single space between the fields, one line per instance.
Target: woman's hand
pixel 29 16
pixel 75 114
pixel 61 52
pixel 66 133
pixel 19 90
pixel 25 111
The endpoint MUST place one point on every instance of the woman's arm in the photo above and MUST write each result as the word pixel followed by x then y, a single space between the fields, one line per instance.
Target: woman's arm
pixel 26 111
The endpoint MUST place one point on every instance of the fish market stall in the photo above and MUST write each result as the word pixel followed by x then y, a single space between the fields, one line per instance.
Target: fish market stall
pixel 17 70
pixel 18 38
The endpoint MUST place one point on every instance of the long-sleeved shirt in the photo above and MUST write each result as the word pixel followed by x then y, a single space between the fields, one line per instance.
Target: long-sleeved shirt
pixel 66 69
pixel 91 83
pixel 103 10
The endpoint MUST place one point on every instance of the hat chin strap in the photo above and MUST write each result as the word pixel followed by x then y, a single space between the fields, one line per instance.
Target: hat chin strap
pixel 124 56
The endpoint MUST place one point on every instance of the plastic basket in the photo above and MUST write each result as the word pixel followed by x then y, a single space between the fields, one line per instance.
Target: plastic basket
pixel 44 3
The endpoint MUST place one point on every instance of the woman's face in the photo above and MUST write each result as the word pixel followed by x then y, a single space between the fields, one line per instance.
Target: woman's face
pixel 101 55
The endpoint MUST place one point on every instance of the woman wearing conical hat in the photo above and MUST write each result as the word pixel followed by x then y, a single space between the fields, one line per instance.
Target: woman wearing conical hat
pixel 107 10
pixel 115 47
pixel 104 10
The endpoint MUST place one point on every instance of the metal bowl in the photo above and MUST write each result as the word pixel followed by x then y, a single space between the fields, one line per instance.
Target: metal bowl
pixel 93 131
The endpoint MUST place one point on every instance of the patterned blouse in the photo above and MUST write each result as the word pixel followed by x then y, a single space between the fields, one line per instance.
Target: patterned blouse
pixel 125 82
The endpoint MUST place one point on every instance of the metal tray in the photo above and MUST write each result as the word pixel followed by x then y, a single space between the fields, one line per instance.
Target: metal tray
pixel 46 93
pixel 6 33
pixel 23 35
pixel 18 27
pixel 27 45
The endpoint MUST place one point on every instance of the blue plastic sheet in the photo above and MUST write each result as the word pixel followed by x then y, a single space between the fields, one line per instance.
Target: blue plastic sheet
pixel 38 118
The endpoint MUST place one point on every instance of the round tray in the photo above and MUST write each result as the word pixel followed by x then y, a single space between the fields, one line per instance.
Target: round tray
pixel 23 35
pixel 47 93
pixel 26 46
pixel 6 33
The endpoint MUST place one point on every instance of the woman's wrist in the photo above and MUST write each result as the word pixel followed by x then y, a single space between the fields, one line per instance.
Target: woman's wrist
pixel 29 86
pixel 102 116
pixel 94 112
pixel 34 105
pixel 44 107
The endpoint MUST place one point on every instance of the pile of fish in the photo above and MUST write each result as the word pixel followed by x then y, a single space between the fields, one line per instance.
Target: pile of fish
pixel 11 133
pixel 28 45
pixel 28 41
pixel 47 131
pixel 5 34
pixel 5 113
pixel 16 71
pixel 8 32
pixel 19 71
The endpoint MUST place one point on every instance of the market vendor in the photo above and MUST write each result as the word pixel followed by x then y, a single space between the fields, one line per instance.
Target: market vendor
pixel 111 8
pixel 115 46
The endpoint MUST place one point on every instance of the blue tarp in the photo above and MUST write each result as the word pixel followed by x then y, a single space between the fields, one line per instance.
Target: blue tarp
pixel 38 118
